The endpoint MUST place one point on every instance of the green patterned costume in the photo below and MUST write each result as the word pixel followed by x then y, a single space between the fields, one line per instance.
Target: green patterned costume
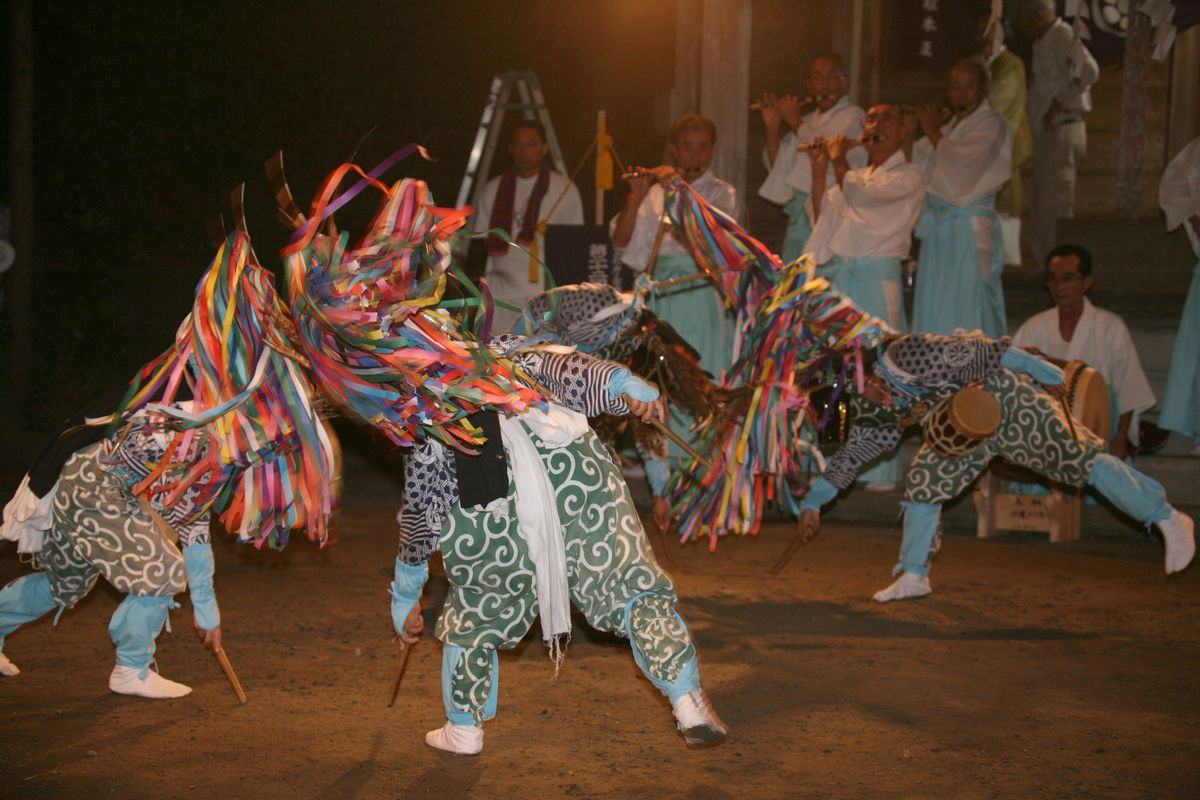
pixel 611 571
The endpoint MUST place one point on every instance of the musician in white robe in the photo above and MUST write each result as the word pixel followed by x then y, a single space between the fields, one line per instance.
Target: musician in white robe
pixel 1179 196
pixel 864 225
pixel 522 202
pixel 1076 330
pixel 789 181
pixel 1062 73
pixel 968 158
pixel 694 309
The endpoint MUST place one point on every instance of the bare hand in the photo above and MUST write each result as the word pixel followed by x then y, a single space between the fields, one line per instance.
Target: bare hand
pixel 791 110
pixel 769 106
pixel 647 411
pixel 929 117
pixel 663 174
pixel 837 148
pixel 414 623
pixel 211 639
pixel 818 156
pixel 640 186
pixel 660 512
pixel 809 524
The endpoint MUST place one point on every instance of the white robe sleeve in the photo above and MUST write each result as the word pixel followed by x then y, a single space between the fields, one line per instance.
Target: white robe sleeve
pixel 1179 190
pixel 570 210
pixel 483 211
pixel 1125 371
pixel 641 242
pixel 974 164
pixel 775 188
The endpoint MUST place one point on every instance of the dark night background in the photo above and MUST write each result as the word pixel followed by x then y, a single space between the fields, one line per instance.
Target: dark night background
pixel 148 113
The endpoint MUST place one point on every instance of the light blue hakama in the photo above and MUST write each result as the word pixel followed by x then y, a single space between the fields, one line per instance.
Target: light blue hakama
pixel 695 310
pixel 951 293
pixel 1181 405
pixel 799 228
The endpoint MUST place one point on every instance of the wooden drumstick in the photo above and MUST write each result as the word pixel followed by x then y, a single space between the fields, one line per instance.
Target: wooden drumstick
pixel 679 440
pixel 230 675
pixel 395 690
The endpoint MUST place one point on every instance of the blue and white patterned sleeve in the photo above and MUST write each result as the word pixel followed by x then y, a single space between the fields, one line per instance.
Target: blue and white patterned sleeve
pixel 577 381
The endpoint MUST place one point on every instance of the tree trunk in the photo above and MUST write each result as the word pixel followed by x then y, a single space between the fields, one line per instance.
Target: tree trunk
pixel 1135 78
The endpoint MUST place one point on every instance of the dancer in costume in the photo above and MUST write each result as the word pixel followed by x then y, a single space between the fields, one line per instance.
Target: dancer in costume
pixel 916 371
pixel 600 320
pixel 134 505
pixel 524 502
pixel 554 526
pixel 88 523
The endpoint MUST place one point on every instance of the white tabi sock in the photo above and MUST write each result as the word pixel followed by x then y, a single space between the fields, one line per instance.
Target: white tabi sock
pixel 696 720
pixel 130 680
pixel 7 668
pixel 906 587
pixel 465 740
pixel 1179 536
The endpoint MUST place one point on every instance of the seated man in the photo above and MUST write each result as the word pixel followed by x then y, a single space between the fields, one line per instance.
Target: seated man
pixel 557 527
pixel 1076 330
pixel 912 374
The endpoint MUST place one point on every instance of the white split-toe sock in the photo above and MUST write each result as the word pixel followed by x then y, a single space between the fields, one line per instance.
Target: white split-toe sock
pixel 7 668
pixel 465 740
pixel 696 720
pixel 126 680
pixel 906 587
pixel 1179 536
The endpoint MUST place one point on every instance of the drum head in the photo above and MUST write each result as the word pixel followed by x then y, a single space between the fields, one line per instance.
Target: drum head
pixel 974 412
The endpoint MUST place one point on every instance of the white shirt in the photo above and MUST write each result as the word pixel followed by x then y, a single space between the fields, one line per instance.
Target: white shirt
pixel 972 160
pixel 509 275
pixel 1063 70
pixel 645 230
pixel 792 170
pixel 1179 191
pixel 871 214
pixel 1102 341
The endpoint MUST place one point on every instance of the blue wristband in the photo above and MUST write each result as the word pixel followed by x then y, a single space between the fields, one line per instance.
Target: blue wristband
pixel 406 590
pixel 199 566
pixel 1018 360
pixel 820 492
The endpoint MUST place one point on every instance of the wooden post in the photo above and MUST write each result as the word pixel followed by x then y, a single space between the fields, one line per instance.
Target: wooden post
pixel 19 289
pixel 601 128
pixel 725 84
pixel 1183 124
pixel 1134 80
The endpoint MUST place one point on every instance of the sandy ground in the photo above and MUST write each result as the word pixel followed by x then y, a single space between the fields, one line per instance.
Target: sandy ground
pixel 1033 671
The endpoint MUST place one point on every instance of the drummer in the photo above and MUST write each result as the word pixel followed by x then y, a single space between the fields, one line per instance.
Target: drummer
pixel 1076 330
pixel 911 374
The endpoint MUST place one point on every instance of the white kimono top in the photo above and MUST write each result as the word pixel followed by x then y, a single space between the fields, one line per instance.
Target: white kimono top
pixel 792 171
pixel 1101 340
pixel 1063 70
pixel 871 214
pixel 641 243
pixel 508 275
pixel 972 160
pixel 1179 191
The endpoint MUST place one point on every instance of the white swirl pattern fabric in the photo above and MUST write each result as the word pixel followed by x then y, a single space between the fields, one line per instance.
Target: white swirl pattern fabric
pixel 610 568
pixel 99 529
pixel 1033 433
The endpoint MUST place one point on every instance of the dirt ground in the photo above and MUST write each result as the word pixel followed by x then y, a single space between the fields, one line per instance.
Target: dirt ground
pixel 1032 671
